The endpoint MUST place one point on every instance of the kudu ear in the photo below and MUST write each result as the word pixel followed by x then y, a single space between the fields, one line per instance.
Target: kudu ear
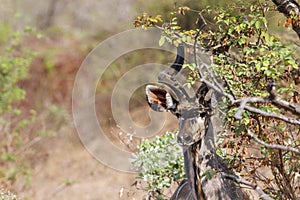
pixel 160 99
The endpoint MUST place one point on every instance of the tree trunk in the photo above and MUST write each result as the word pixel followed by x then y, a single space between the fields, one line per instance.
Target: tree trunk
pixel 290 9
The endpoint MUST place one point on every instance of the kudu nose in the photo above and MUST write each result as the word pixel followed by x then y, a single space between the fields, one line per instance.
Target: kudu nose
pixel 184 139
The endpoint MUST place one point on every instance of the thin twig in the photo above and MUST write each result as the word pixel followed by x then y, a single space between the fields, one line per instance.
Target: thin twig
pixel 213 77
pixel 203 24
pixel 195 51
pixel 218 90
pixel 29 144
pixel 229 88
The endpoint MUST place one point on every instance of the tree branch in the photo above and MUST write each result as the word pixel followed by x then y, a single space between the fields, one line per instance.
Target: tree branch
pixel 229 88
pixel 215 81
pixel 240 180
pixel 276 100
pixel 273 146
pixel 242 102
pixel 273 115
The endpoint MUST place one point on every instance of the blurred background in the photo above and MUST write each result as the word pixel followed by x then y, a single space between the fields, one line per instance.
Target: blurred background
pixel 41 154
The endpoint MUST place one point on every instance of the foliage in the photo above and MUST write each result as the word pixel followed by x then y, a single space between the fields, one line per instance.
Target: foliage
pixel 7 195
pixel 14 63
pixel 159 162
pixel 247 57
pixel 18 126
pixel 28 115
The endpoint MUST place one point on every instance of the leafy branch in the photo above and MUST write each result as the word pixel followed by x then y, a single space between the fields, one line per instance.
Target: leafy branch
pixel 253 75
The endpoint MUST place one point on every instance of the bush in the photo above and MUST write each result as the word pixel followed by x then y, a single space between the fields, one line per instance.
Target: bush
pixel 159 162
pixel 14 65
pixel 8 195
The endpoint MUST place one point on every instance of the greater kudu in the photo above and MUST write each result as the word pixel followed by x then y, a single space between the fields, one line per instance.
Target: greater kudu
pixel 195 135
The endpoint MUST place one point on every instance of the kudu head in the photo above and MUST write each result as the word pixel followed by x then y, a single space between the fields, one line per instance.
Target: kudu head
pixel 189 107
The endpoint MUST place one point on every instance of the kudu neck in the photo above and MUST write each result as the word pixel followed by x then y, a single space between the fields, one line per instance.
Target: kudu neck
pixel 193 154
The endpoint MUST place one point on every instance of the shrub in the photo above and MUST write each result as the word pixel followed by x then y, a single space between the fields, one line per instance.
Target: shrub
pixel 159 162
pixel 8 195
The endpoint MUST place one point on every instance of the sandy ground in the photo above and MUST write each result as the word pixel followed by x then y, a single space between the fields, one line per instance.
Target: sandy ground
pixel 67 170
pixel 70 172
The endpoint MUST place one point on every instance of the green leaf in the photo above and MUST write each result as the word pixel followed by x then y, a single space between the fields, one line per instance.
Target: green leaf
pixel 161 40
pixel 209 174
pixel 257 25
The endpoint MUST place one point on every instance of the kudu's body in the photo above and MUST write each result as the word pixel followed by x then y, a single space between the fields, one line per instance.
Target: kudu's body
pixel 195 135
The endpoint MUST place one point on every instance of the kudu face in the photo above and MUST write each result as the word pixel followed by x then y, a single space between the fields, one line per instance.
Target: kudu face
pixel 191 126
pixel 187 105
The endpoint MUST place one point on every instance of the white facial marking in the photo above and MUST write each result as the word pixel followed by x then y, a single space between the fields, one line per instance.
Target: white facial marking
pixel 169 100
